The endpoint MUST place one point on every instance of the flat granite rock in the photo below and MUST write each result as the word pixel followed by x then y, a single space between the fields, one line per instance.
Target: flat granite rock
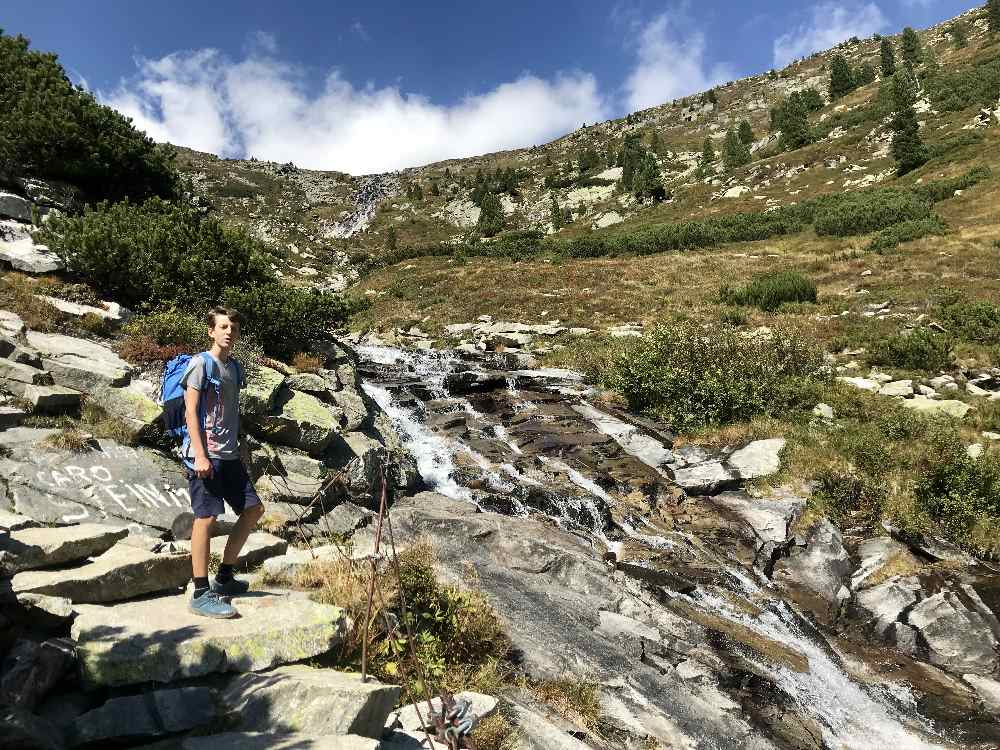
pixel 260 547
pixel 117 484
pixel 272 741
pixel 159 640
pixel 30 549
pixel 309 700
pixel 123 572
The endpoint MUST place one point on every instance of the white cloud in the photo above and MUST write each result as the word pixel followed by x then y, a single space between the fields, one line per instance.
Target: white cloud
pixel 828 25
pixel 359 28
pixel 260 106
pixel 670 66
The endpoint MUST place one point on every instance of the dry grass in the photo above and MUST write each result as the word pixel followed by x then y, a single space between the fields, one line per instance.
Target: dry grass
pixel 579 702
pixel 70 439
pixel 306 362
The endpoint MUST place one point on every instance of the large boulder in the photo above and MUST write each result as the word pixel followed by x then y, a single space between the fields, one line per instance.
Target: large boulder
pixel 261 391
pixel 123 572
pixel 159 640
pixel 815 573
pixel 14 207
pixel 22 730
pixel 760 458
pixel 19 250
pixel 298 420
pixel 131 405
pixel 110 483
pixel 154 714
pixel 313 701
pixel 29 549
pixel 32 669
pixel 960 631
pixel 46 399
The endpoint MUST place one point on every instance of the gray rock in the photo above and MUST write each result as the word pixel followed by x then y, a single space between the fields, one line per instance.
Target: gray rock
pixel 290 487
pixel 272 741
pixel 308 382
pixel 945 407
pixel 959 629
pixel 884 603
pixel 30 549
pixel 538 733
pixel 904 638
pixel 298 420
pixel 261 391
pixel 123 572
pixel 159 640
pixel 136 410
pixel 284 567
pixel 882 557
pixel 864 384
pixel 11 416
pixel 112 313
pixel 823 411
pixel 48 612
pixel 46 399
pixel 142 717
pixel 32 669
pixel 705 478
pixel 22 730
pixel 344 519
pixel 85 375
pixel 298 462
pixel 21 373
pixel 987 689
pixel 19 250
pixel 312 701
pixel 10 322
pixel 769 517
pixel 815 573
pixel 352 406
pixel 15 521
pixel 14 207
pixel 897 388
pixel 260 546
pixel 760 458
pixel 115 484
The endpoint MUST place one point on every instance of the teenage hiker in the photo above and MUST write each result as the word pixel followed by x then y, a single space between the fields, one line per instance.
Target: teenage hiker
pixel 212 383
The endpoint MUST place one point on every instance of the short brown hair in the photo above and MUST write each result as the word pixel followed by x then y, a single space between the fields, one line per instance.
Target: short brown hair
pixel 232 313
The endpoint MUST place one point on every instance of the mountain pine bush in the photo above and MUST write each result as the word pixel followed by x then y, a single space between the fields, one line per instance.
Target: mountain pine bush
pixel 491 216
pixel 842 80
pixel 861 212
pixel 735 152
pixel 907 147
pixel 770 291
pixel 910 49
pixel 887 57
pixel 746 132
pixel 53 130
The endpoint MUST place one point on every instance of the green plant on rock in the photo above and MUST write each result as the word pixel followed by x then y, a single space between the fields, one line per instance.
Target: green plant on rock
pixel 771 290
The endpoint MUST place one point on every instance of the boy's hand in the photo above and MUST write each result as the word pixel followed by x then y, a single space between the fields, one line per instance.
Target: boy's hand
pixel 202 467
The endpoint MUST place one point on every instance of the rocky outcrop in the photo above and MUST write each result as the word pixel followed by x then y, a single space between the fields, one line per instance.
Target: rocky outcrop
pixel 815 572
pixel 33 548
pixel 145 717
pixel 297 420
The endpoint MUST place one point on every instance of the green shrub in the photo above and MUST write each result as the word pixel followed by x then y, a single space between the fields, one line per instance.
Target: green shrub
pixel 157 253
pixel 52 130
pixel 286 320
pixel 867 211
pixel 844 492
pixel 959 492
pixel 921 349
pixel 692 377
pixel 907 231
pixel 169 328
pixel 771 290
pixel 977 321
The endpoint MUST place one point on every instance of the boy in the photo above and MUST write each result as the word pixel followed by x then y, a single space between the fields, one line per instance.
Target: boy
pixel 218 475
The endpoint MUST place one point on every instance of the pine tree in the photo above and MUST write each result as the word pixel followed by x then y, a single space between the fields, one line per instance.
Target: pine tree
pixel 793 121
pixel 707 152
pixel 841 77
pixel 811 99
pixel 390 239
pixel 993 15
pixel 555 214
pixel 865 74
pixel 746 132
pixel 490 216
pixel 959 35
pixel 654 141
pixel 630 160
pixel 907 147
pixel 647 182
pixel 888 57
pixel 447 171
pixel 711 96
pixel 910 48
pixel 735 152
pixel 435 190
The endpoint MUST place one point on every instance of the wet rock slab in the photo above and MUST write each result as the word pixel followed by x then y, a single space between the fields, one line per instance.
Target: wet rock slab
pixel 159 640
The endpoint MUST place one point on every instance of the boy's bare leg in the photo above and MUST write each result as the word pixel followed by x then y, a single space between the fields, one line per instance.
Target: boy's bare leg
pixel 241 531
pixel 201 541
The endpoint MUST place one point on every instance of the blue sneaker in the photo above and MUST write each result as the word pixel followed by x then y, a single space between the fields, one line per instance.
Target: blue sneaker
pixel 210 604
pixel 232 587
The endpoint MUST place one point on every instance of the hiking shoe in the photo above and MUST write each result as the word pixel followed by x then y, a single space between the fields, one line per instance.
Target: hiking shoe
pixel 210 604
pixel 232 587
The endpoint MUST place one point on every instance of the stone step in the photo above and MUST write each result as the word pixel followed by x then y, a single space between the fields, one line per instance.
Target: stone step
pixel 312 701
pixel 260 547
pixel 123 572
pixel 15 521
pixel 144 717
pixel 31 549
pixel 159 640
pixel 22 373
pixel 46 399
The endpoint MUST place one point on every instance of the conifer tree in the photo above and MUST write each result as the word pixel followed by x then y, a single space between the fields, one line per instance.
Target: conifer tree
pixel 907 147
pixel 447 171
pixel 746 132
pixel 888 57
pixel 735 152
pixel 654 141
pixel 707 152
pixel 555 214
pixel 647 182
pixel 435 190
pixel 910 48
pixel 390 239
pixel 711 96
pixel 811 99
pixel 959 35
pixel 993 15
pixel 490 216
pixel 841 77
pixel 793 121
pixel 865 75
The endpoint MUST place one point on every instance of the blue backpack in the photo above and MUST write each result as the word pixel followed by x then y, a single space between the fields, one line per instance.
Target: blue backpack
pixel 172 396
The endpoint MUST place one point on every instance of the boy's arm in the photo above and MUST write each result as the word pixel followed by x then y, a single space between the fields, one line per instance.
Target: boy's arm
pixel 196 435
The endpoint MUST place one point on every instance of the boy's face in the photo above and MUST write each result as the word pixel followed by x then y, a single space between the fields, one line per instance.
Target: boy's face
pixel 225 332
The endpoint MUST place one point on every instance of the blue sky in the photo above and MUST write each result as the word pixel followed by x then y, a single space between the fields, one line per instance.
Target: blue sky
pixel 372 86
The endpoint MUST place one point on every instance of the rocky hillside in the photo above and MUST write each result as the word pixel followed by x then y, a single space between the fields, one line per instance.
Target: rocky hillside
pixel 320 220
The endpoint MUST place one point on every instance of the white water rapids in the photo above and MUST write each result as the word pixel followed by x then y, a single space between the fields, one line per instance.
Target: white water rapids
pixel 852 716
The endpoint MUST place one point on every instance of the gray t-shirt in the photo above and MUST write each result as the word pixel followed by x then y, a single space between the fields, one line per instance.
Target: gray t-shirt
pixel 222 418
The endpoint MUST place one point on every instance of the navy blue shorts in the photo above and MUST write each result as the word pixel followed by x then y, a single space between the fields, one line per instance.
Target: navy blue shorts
pixel 229 483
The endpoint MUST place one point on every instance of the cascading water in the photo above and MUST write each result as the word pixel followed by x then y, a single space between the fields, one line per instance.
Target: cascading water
pixel 852 717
